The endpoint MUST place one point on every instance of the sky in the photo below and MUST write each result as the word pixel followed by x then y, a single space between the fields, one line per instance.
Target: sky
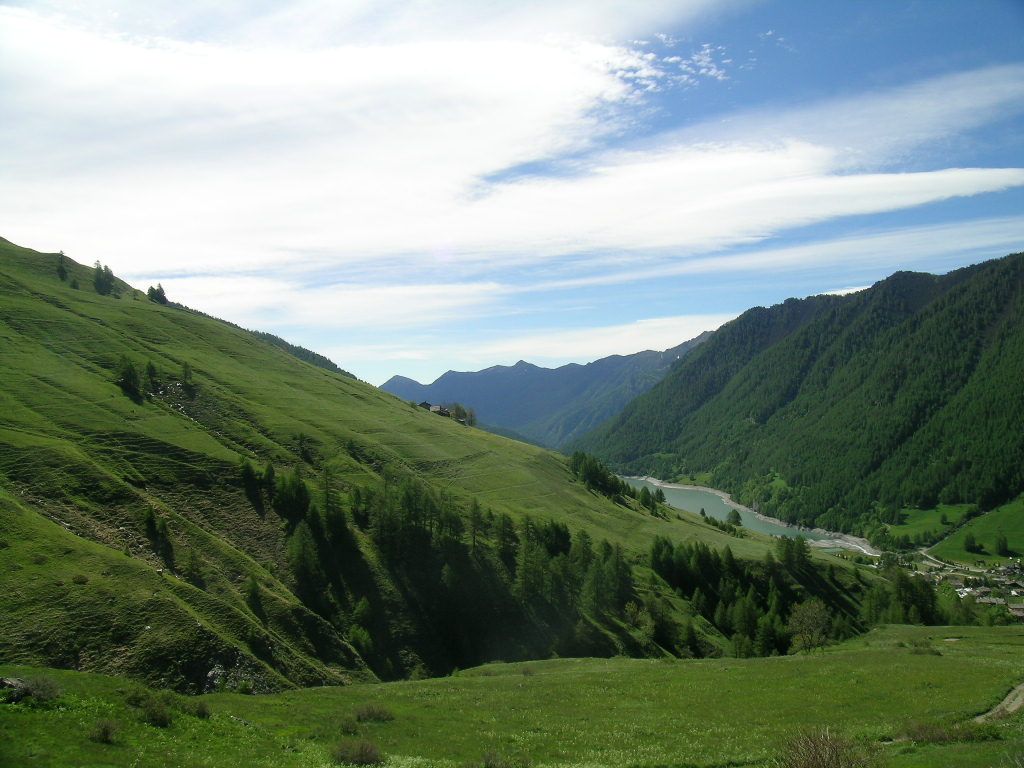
pixel 413 186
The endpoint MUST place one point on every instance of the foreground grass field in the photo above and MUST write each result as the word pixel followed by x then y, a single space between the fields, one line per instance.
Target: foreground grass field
pixel 574 712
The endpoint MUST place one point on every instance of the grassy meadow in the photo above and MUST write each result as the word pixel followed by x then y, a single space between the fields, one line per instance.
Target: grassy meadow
pixel 929 521
pixel 572 712
pixel 1007 520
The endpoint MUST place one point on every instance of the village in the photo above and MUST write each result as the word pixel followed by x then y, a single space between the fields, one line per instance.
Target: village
pixel 996 586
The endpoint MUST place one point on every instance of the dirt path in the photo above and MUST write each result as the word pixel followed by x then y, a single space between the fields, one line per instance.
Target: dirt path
pixel 947 566
pixel 1014 701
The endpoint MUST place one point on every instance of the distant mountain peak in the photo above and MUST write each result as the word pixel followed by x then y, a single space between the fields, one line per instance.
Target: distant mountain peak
pixel 549 406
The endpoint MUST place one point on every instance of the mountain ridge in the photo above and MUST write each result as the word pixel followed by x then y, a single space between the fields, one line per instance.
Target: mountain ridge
pixel 837 410
pixel 548 406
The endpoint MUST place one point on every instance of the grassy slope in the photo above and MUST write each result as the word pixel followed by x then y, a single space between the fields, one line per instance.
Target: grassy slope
pixel 616 712
pixel 918 521
pixel 1007 520
pixel 75 449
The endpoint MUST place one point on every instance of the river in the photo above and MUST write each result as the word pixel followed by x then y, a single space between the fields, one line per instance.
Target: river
pixel 716 504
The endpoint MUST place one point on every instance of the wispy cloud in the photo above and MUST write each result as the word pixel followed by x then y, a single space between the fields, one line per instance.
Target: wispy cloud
pixel 381 164
pixel 258 300
pixel 550 347
pixel 170 156
pixel 584 344
pixel 894 249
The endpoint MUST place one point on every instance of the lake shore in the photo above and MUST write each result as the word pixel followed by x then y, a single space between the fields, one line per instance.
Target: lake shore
pixel 829 540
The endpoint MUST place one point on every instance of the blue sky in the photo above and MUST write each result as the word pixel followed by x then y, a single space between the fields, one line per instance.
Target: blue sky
pixel 412 187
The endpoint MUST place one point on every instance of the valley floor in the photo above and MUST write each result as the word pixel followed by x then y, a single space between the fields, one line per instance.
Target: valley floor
pixel 875 689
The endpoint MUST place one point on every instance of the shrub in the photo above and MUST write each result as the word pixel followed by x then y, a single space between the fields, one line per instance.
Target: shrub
pixel 945 733
pixel 374 713
pixel 822 749
pixel 80 578
pixel 497 760
pixel 105 731
pixel 349 726
pixel 357 753
pixel 924 648
pixel 40 690
pixel 156 712
pixel 201 710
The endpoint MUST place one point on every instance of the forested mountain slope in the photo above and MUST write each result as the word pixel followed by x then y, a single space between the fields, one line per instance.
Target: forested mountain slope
pixel 838 410
pixel 181 500
pixel 549 406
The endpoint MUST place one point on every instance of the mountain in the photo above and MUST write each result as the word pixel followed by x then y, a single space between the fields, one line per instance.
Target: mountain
pixel 185 502
pixel 840 410
pixel 548 406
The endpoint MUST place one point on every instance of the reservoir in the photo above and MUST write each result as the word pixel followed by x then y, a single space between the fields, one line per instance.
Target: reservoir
pixel 695 499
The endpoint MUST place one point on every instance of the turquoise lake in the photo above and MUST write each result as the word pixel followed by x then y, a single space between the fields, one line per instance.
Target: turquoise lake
pixel 694 500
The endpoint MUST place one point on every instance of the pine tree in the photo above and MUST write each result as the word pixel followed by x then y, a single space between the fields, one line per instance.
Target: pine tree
pixel 62 270
pixel 151 376
pixel 305 562
pixel 128 378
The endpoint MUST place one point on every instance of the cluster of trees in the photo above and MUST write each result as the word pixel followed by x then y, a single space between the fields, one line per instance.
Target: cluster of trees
pixel 479 585
pixel 103 279
pixel 906 394
pixel 462 413
pixel 903 599
pixel 157 294
pixel 306 355
pixel 650 501
pixel 1002 545
pixel 138 382
pixel 766 607
pixel 159 535
pixel 597 477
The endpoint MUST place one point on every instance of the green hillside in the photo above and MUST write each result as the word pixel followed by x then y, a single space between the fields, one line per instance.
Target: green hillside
pixel 186 502
pixel 1004 522
pixel 842 410
pixel 906 694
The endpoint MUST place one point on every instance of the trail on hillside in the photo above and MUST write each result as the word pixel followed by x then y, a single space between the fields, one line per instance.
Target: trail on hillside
pixel 1014 701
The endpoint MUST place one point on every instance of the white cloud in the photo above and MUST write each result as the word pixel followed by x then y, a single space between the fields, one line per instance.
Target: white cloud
pixel 169 157
pixel 845 291
pixel 872 128
pixel 257 302
pixel 430 355
pixel 304 23
pixel 891 250
pixel 356 165
pixel 559 346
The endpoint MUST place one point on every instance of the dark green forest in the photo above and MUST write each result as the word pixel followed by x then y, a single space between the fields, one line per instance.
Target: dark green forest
pixel 840 410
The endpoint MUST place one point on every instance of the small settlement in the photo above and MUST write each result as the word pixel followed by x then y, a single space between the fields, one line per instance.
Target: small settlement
pixel 999 585
pixel 440 410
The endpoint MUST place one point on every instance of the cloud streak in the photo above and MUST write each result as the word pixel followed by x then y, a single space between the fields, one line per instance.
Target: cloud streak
pixel 388 164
